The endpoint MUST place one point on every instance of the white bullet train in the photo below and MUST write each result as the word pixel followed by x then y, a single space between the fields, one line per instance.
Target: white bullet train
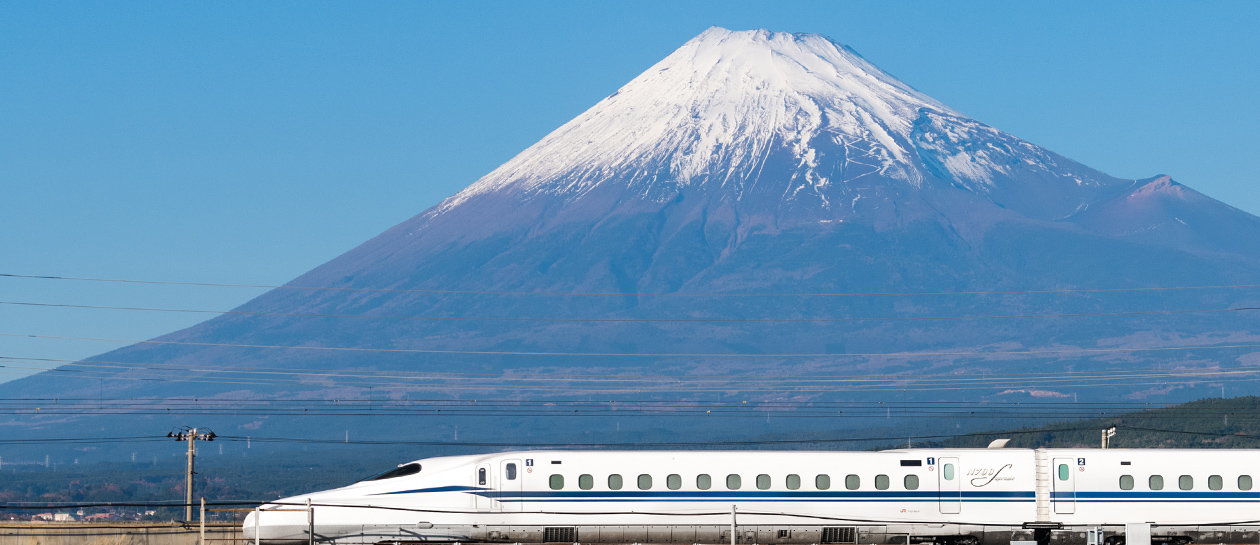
pixel 942 496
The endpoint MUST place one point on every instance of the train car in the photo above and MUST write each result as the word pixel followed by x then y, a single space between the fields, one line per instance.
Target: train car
pixel 943 496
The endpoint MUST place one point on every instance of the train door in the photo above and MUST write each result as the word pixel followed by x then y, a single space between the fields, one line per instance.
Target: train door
pixel 510 486
pixel 951 485
pixel 1064 488
pixel 484 486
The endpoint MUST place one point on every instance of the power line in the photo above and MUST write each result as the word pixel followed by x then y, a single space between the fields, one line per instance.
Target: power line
pixel 652 354
pixel 84 440
pixel 567 377
pixel 555 444
pixel 572 444
pixel 622 408
pixel 624 294
pixel 579 388
pixel 578 385
pixel 632 320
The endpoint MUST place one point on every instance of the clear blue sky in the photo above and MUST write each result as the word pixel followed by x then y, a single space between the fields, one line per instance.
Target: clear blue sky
pixel 250 142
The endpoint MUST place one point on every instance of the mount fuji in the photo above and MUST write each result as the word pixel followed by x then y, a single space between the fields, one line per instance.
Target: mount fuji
pixel 755 209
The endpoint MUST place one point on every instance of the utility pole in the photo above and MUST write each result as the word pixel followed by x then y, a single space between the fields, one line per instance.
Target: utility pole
pixel 190 435
pixel 1107 434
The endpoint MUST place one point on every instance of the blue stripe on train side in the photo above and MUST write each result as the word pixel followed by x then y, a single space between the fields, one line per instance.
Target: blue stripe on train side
pixel 1156 496
pixel 767 496
pixel 701 495
pixel 438 489
pixel 759 494
pixel 1172 496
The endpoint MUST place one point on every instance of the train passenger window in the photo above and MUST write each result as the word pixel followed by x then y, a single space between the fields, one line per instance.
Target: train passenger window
pixel 704 482
pixel 510 472
pixel 881 482
pixel 793 482
pixel 912 482
pixel 1215 482
pixel 556 482
pixel 948 472
pixel 1244 482
pixel 645 482
pixel 481 475
pixel 673 482
pixel 586 482
pixel 822 482
pixel 1185 482
pixel 614 482
pixel 1156 482
pixel 1126 482
pixel 733 482
pixel 1064 472
pixel 763 482
pixel 852 482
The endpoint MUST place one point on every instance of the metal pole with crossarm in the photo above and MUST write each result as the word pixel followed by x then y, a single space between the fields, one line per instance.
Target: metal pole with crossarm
pixel 191 435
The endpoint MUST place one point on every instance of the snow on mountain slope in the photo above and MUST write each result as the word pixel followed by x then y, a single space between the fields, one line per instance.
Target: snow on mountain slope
pixel 795 116
pixel 709 113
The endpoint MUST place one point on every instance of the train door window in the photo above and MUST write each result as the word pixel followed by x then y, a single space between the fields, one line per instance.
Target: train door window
pixel 949 486
pixel 704 482
pixel 822 482
pixel 673 482
pixel 793 482
pixel 1064 472
pixel 852 482
pixel 645 482
pixel 614 482
pixel 881 482
pixel 586 482
pixel 509 472
pixel 1215 482
pixel 1244 482
pixel 1126 482
pixel 733 482
pixel 556 482
pixel 912 482
pixel 482 502
pixel 763 482
pixel 1156 482
pixel 1185 482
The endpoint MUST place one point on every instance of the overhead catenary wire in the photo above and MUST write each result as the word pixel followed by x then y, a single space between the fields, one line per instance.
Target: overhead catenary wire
pixel 614 444
pixel 910 354
pixel 102 370
pixel 556 383
pixel 623 294
pixel 633 320
pixel 892 383
pixel 571 377
pixel 704 408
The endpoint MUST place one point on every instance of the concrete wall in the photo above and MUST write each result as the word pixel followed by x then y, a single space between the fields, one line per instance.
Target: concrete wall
pixel 118 533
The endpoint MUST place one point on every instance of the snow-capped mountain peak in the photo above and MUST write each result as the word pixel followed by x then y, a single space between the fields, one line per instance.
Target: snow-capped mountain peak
pixel 720 104
pixel 717 111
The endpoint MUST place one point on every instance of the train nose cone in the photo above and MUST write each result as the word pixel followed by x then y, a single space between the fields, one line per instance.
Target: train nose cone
pixel 277 524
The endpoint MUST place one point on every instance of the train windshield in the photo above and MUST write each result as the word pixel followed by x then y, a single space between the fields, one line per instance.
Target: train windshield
pixel 400 471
